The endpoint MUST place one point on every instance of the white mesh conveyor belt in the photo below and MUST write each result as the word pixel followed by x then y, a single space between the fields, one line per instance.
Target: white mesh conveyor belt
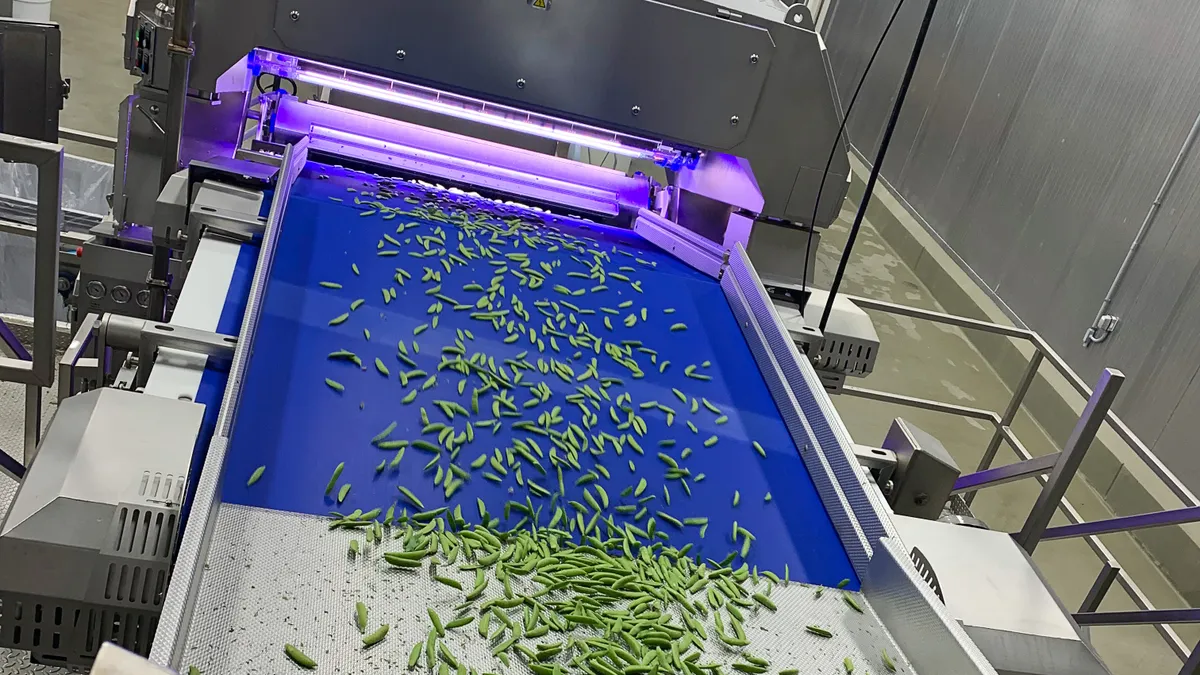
pixel 273 578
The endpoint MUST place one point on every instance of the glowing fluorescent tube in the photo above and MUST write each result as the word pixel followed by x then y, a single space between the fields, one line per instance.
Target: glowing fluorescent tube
pixel 601 201
pixel 536 125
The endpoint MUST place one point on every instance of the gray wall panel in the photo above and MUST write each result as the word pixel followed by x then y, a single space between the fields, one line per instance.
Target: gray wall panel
pixel 1034 138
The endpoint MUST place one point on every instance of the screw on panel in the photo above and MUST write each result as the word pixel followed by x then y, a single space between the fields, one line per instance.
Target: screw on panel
pixel 400 54
pixel 521 83
pixel 753 58
pixel 733 121
pixel 637 110
pixel 295 14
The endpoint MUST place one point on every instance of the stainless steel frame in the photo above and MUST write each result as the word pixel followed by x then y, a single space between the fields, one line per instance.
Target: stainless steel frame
pixel 931 639
pixel 1093 417
pixel 837 469
pixel 38 372
pixel 177 610
pixel 48 158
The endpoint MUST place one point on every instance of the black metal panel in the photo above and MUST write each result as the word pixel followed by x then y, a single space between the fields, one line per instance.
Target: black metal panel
pixel 31 88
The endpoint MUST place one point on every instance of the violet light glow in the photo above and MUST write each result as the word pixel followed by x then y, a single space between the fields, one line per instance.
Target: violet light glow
pixel 543 127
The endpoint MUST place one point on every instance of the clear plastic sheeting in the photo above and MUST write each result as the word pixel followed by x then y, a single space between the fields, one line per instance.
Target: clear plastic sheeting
pixel 86 186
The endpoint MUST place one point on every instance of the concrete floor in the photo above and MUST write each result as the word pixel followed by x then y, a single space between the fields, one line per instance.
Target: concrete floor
pixel 916 358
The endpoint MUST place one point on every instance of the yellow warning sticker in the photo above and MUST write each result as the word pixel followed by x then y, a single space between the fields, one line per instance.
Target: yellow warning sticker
pixel 539 4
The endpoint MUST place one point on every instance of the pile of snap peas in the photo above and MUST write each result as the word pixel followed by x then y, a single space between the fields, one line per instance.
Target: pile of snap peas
pixel 589 585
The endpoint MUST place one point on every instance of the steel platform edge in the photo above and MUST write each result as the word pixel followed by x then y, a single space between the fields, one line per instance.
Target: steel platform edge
pixel 929 639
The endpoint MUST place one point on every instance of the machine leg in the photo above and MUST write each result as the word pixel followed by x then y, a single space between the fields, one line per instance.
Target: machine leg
pixel 33 421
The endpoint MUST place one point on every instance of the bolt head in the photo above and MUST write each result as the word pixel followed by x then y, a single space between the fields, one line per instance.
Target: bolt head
pixel 636 110
pixel 295 14
pixel 733 121
pixel 400 54
pixel 521 83
pixel 753 58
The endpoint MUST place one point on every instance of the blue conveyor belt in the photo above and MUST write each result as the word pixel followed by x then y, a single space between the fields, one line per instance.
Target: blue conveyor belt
pixel 298 428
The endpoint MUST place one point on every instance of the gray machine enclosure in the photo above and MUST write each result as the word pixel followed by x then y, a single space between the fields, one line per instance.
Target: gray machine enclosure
pixel 85 550
pixel 688 74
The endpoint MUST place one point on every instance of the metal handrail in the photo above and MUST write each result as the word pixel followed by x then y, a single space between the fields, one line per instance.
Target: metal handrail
pixel 38 371
pixel 1043 350
pixel 1147 613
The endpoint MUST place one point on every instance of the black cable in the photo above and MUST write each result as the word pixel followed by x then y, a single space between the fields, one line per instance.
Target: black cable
pixel 879 155
pixel 837 142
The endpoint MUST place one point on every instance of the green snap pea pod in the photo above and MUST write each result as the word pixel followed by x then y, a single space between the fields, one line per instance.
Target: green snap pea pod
pixel 818 631
pixel 298 657
pixel 437 622
pixel 850 601
pixel 256 475
pixel 376 637
pixel 360 616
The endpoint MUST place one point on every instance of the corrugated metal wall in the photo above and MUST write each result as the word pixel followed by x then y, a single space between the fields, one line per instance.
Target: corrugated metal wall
pixel 1033 140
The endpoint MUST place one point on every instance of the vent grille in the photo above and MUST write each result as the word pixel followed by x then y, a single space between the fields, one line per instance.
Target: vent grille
pixel 161 487
pixel 135 584
pixel 143 532
pixel 71 634
pixel 843 356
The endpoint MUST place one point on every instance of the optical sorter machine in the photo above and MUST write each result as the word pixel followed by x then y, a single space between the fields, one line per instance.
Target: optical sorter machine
pixel 341 166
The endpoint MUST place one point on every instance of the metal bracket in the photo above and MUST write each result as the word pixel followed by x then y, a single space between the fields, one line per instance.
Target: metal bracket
pixel 72 359
pixel 147 337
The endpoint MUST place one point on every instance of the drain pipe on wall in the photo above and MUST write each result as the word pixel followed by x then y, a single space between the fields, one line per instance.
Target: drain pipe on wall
pixel 1105 324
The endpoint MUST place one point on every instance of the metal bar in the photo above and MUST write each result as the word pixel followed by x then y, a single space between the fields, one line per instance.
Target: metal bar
pixel 1124 432
pixel 923 403
pixel 179 49
pixel 33 421
pixel 11 341
pixel 87 138
pixel 69 237
pixel 1177 645
pixel 1168 633
pixel 10 467
pixel 1070 458
pixel 940 317
pixel 1010 413
pixel 1139 617
pixel 1091 336
pixel 1099 589
pixel 1006 474
pixel 47 158
pixel 692 249
pixel 1014 442
pixel 1141 521
pixel 1192 665
pixel 71 357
